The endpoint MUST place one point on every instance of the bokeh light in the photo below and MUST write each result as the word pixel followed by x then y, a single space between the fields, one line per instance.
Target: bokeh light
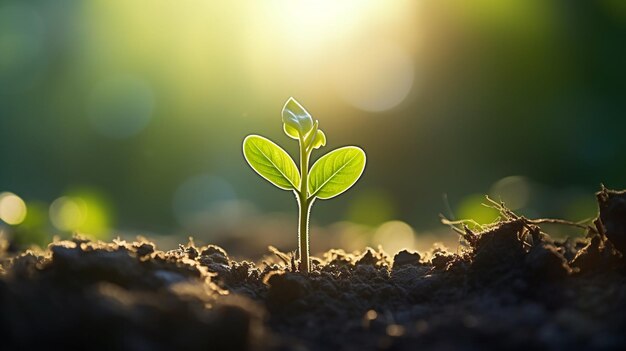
pixel 68 214
pixel 83 211
pixel 473 207
pixel 514 191
pixel 394 236
pixel 12 208
pixel 375 76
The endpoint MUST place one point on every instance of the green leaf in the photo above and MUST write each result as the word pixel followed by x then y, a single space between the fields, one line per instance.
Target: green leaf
pixel 336 172
pixel 320 140
pixel 271 162
pixel 296 117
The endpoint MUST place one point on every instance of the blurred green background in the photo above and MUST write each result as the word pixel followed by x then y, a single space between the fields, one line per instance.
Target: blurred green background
pixel 126 117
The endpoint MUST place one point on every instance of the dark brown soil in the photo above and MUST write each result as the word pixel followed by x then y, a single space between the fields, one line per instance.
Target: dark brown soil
pixel 511 288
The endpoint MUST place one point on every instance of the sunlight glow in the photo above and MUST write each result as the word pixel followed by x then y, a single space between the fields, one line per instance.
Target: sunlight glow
pixel 311 21
pixel 361 52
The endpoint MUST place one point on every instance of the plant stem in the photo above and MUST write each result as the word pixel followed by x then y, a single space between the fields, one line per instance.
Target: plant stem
pixel 304 206
pixel 303 234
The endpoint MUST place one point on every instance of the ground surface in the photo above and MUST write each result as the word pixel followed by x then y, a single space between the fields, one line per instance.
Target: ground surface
pixel 512 287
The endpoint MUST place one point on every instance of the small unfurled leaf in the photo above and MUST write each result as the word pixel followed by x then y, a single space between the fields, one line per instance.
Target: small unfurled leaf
pixel 296 117
pixel 271 162
pixel 336 172
pixel 320 140
pixel 312 134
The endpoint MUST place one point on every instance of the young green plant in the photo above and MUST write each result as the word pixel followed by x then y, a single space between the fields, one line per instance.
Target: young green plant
pixel 330 176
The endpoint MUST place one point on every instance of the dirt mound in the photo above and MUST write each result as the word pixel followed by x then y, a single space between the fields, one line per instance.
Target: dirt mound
pixel 513 287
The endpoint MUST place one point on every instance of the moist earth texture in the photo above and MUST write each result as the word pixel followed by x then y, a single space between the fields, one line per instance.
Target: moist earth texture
pixel 510 286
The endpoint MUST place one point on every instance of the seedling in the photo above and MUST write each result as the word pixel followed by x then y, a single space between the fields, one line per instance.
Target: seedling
pixel 330 176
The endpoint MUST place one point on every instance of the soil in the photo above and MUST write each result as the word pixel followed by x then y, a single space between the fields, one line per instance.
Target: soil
pixel 512 287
